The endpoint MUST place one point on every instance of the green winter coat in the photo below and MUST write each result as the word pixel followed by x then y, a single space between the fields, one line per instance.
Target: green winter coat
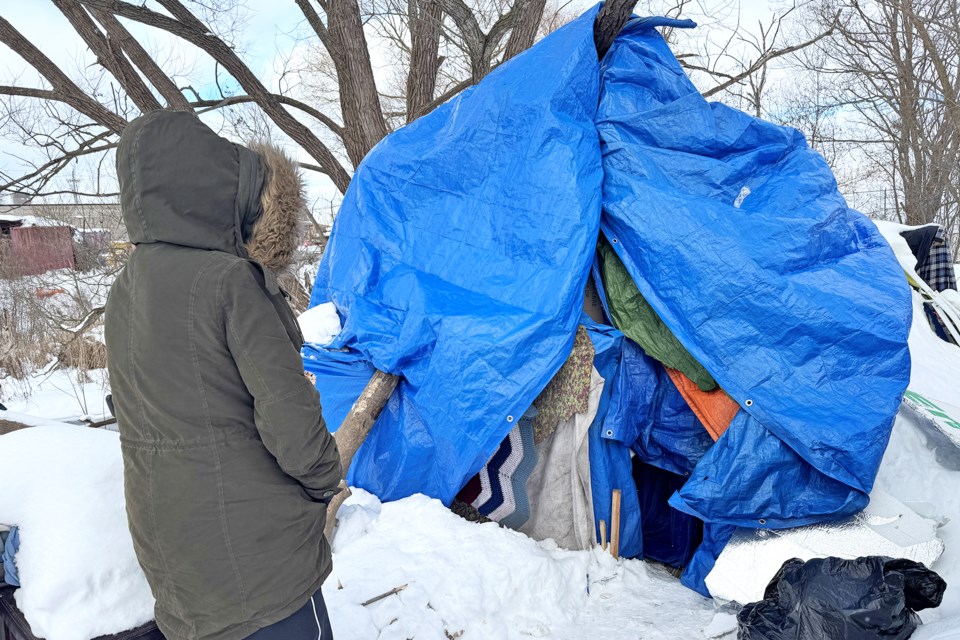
pixel 227 461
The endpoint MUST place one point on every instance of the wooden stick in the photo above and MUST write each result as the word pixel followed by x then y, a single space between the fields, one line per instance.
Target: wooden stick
pixel 603 534
pixel 380 597
pixel 615 524
pixel 354 430
pixel 101 423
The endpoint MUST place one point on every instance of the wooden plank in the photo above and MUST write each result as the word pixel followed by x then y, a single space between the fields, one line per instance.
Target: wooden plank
pixel 615 524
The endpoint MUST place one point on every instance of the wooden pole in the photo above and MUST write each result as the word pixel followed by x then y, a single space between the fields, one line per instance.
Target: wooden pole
pixel 615 524
pixel 603 534
pixel 354 430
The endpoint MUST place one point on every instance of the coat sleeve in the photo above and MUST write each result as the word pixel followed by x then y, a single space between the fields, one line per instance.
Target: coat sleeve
pixel 286 406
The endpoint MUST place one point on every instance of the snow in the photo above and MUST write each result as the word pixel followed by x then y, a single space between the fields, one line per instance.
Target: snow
pixel 953 298
pixel 721 625
pixel 63 487
pixel 31 221
pixel 887 527
pixel 30 420
pixel 935 370
pixel 911 473
pixel 489 582
pixel 61 395
pixel 320 324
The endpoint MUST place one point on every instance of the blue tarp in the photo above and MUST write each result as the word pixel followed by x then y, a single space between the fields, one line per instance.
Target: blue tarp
pixel 459 259
pixel 461 251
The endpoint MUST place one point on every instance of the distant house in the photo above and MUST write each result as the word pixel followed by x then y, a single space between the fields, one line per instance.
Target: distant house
pixel 81 216
pixel 30 245
pixel 35 238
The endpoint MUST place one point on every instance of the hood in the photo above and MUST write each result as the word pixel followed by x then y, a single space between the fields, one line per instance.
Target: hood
pixel 181 183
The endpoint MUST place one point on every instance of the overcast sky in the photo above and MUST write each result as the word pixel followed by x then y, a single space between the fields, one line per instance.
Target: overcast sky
pixel 267 38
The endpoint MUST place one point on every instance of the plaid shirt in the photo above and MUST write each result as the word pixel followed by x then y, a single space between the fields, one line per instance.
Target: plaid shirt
pixel 938 271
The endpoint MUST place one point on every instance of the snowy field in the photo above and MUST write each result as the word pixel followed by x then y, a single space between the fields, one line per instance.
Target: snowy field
pixel 450 578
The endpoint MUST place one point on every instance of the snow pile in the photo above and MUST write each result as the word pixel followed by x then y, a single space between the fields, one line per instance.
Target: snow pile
pixel 935 370
pixel 57 395
pixel 911 473
pixel 320 324
pixel 887 527
pixel 482 581
pixel 63 486
pixel 29 420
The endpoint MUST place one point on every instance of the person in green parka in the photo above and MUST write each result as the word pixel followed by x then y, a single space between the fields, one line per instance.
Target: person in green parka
pixel 228 465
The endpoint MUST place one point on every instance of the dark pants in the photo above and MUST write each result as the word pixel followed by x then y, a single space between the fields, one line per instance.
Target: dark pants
pixel 309 623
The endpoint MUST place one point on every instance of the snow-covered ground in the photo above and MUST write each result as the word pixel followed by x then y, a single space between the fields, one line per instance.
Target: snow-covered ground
pixel 483 581
pixel 60 395
pixel 456 579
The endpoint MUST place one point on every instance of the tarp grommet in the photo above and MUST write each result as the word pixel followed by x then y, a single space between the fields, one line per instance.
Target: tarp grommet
pixel 748 402
pixel 614 241
pixel 509 418
pixel 762 521
pixel 609 433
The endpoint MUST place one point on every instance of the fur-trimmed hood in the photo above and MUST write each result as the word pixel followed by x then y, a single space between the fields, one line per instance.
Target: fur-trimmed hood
pixel 181 183
pixel 276 234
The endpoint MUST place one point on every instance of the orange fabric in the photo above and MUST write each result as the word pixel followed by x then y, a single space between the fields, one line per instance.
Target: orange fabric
pixel 715 409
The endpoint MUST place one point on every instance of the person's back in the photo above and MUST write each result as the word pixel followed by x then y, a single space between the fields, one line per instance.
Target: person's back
pixel 228 464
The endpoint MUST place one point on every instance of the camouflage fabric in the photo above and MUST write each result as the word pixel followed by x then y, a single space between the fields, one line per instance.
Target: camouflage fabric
pixel 568 392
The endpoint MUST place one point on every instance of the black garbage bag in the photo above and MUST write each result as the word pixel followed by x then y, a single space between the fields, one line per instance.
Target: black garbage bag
pixel 831 598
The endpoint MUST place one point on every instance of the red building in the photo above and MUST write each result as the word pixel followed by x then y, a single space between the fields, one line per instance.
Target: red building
pixel 29 246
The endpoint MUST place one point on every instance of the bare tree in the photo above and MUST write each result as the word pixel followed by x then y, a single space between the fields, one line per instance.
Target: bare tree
pixel 893 67
pixel 447 45
pixel 732 61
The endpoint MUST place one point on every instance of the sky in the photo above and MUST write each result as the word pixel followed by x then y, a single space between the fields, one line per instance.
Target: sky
pixel 268 32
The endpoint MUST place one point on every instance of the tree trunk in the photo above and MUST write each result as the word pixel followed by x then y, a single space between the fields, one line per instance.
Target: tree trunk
pixel 363 122
pixel 525 27
pixel 611 18
pixel 425 18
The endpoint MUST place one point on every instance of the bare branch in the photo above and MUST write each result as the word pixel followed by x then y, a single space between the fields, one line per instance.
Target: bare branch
pixel 28 92
pixel 767 57
pixel 292 102
pixel 110 58
pixel 187 27
pixel 118 33
pixel 66 90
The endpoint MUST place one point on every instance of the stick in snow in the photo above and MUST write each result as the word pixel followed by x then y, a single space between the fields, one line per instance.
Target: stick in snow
pixel 615 525
pixel 354 430
pixel 380 597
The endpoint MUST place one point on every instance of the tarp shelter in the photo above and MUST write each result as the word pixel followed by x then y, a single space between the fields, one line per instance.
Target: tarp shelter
pixel 461 253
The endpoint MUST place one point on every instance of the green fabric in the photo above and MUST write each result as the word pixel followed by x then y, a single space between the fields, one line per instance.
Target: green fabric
pixel 227 460
pixel 633 315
